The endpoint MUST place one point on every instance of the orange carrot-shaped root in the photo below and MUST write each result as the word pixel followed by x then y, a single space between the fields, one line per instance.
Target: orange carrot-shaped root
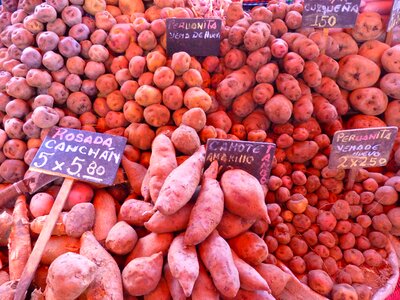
pixel 38 223
pixel 135 173
pixel 19 244
pixel 5 227
pixel 106 215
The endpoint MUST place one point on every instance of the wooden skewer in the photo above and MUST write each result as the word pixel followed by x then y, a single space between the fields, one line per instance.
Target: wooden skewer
pixel 389 38
pixel 37 252
pixel 352 178
pixel 326 34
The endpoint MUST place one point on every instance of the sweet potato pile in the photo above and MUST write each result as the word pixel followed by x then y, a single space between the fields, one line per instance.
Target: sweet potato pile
pixel 173 228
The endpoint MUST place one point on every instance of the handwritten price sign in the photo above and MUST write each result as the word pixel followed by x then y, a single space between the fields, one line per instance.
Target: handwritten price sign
pixel 198 37
pixel 253 157
pixel 330 14
pixel 362 148
pixel 79 154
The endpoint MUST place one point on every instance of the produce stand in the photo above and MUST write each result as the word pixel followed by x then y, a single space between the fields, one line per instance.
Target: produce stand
pixel 199 149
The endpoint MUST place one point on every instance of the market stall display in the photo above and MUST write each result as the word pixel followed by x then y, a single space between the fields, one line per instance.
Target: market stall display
pixel 175 224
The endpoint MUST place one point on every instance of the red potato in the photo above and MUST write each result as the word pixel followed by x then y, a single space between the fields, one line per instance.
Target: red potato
pixel 356 71
pixel 369 101
pixel 41 204
pixel 242 79
pixel 256 59
pixel 368 26
pixel 185 139
pixel 320 282
pixel 217 258
pixel 278 109
pixel 183 263
pixel 80 193
pixel 210 200
pixel 373 50
pixel 180 184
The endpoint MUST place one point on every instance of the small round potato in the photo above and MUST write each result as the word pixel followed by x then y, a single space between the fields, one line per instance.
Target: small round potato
pixel 53 61
pixel 320 282
pixel 71 15
pixel 79 103
pixel 45 117
pixel 185 139
pixel 156 115
pixel 58 27
pixel 38 78
pixel 370 101
pixel 369 26
pixel 45 13
pixel 31 57
pixel 163 77
pixel 390 85
pixel 69 47
pixel 392 113
pixel 13 170
pixel 172 97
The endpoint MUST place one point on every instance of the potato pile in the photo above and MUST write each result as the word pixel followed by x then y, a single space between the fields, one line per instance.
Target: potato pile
pixel 102 66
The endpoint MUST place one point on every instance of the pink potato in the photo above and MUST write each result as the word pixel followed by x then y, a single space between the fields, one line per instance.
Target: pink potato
pixel 80 192
pixel 41 204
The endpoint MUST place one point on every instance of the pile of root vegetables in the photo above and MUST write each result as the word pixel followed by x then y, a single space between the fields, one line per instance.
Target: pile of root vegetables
pixel 168 228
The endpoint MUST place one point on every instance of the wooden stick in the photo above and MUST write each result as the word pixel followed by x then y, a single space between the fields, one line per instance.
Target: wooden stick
pixel 326 34
pixel 37 252
pixel 352 178
pixel 389 37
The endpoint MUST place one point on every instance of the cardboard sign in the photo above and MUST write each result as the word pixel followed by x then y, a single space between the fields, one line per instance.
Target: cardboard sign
pixel 198 37
pixel 78 154
pixel 330 14
pixel 394 16
pixel 362 148
pixel 253 157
